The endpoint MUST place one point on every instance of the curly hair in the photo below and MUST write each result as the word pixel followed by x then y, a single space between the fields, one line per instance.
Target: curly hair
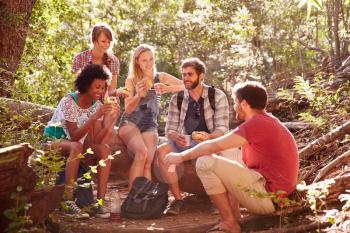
pixel 88 75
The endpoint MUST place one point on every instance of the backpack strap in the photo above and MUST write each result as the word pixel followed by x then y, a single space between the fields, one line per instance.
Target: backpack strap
pixel 211 96
pixel 180 98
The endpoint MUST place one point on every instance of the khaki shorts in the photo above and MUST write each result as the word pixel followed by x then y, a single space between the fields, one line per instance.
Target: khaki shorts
pixel 228 173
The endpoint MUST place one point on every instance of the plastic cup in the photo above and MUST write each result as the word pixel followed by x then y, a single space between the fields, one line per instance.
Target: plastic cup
pixel 188 140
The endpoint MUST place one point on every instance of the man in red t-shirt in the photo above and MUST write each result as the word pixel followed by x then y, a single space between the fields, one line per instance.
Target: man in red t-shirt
pixel 268 161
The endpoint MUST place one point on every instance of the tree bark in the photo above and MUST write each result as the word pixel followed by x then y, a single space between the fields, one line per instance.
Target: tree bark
pixel 336 14
pixel 329 11
pixel 14 23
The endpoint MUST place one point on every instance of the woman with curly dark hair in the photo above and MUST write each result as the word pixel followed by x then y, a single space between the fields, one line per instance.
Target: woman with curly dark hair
pixel 79 122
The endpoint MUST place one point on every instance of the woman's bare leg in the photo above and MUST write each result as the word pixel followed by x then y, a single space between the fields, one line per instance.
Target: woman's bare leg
pixel 102 151
pixel 72 164
pixel 133 140
pixel 150 139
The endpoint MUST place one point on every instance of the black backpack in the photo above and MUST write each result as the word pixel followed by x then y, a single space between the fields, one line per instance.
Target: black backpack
pixel 211 96
pixel 146 200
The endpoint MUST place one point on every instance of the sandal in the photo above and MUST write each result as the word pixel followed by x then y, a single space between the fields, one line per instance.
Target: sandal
pixel 218 228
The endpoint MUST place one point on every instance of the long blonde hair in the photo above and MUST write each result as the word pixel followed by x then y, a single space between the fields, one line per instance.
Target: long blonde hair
pixel 135 72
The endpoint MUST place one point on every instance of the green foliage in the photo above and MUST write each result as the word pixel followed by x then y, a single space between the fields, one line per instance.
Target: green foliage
pixel 264 40
pixel 47 165
pixel 17 215
pixel 316 194
pixel 17 128
pixel 322 99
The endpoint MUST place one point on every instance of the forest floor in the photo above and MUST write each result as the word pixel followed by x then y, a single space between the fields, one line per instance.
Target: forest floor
pixel 198 217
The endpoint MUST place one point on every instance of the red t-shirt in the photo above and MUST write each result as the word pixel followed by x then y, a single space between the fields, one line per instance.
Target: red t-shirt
pixel 271 151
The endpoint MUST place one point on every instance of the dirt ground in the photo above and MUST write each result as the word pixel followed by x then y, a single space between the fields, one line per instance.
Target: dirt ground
pixel 196 218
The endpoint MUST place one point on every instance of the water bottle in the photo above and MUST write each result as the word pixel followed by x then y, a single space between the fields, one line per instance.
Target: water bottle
pixel 115 206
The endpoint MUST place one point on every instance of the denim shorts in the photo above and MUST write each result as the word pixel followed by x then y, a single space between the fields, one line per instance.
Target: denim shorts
pixel 178 149
pixel 143 120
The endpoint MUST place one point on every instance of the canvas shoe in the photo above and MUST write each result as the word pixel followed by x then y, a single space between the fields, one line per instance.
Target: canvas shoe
pixel 71 209
pixel 102 212
pixel 176 207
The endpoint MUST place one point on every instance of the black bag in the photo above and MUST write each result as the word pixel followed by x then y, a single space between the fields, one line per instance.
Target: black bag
pixel 147 199
pixel 83 192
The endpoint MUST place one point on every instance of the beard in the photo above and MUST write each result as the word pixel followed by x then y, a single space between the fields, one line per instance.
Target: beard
pixel 193 85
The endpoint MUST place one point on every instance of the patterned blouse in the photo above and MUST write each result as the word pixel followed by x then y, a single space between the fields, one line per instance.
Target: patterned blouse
pixel 69 110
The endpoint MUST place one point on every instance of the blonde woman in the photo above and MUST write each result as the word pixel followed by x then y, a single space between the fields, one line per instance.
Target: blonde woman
pixel 138 126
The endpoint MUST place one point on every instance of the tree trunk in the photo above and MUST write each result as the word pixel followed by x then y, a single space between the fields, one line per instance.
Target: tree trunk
pixel 336 14
pixel 329 9
pixel 14 22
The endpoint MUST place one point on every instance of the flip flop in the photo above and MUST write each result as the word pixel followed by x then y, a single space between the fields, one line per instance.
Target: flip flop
pixel 218 228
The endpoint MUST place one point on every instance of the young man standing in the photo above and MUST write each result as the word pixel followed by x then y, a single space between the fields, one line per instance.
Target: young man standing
pixel 200 109
pixel 268 162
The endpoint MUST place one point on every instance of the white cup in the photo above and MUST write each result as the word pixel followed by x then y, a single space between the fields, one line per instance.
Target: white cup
pixel 188 140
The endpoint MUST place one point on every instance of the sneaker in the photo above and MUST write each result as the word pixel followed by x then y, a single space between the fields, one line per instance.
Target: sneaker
pixel 73 210
pixel 102 212
pixel 176 207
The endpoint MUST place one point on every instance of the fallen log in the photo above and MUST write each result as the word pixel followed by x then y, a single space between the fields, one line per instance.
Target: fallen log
pixel 36 112
pixel 14 172
pixel 325 170
pixel 319 143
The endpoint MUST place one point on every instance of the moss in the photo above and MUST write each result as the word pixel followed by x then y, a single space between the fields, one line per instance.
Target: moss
pixel 13 19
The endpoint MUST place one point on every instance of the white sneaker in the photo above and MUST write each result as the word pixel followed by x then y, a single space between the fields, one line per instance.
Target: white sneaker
pixel 102 212
pixel 74 211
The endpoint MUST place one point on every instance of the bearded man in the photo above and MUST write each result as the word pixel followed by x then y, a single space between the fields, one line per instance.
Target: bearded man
pixel 197 114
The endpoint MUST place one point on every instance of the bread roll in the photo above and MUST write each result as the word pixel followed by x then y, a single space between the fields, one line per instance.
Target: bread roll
pixel 197 135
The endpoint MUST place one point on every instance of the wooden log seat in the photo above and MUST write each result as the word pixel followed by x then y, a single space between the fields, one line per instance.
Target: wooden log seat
pixel 15 172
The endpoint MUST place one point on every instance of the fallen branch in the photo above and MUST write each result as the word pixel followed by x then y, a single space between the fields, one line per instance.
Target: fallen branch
pixel 331 165
pixel 318 144
pixel 296 125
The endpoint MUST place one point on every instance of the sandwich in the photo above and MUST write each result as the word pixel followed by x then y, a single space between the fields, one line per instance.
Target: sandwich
pixel 123 90
pixel 110 100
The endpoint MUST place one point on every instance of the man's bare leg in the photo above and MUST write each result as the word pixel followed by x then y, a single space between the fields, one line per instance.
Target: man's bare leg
pixel 228 218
